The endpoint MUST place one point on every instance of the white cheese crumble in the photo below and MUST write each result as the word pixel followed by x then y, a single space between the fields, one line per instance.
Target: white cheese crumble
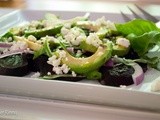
pixel 62 53
pixel 51 23
pixel 158 24
pixel 123 42
pixel 55 61
pixel 67 25
pixel 18 46
pixel 123 86
pixel 96 25
pixel 61 69
pixel 32 38
pixel 35 75
pixel 74 74
pixel 33 25
pixel 93 39
pixel 74 35
pixel 155 86
pixel 64 31
pixel 65 68
pixel 48 73
pixel 108 24
pixel 79 52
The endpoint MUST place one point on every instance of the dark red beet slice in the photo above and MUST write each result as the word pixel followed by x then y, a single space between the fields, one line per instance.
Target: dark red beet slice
pixel 42 66
pixel 15 65
pixel 122 74
pixel 118 75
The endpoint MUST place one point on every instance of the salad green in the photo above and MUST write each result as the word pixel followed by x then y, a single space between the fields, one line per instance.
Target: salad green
pixel 82 47
pixel 143 35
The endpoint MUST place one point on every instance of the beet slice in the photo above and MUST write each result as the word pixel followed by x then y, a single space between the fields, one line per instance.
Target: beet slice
pixel 40 65
pixel 33 67
pixel 14 65
pixel 121 74
pixel 118 75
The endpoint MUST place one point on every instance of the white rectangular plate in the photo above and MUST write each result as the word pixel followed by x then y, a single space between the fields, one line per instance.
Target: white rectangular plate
pixel 85 91
pixel 22 108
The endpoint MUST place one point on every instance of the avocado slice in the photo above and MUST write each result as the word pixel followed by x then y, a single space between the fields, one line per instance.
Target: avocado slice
pixel 89 64
pixel 43 32
pixel 32 45
pixel 103 32
pixel 120 50
pixel 87 47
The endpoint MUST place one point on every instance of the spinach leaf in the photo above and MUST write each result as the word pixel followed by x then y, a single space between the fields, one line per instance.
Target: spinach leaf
pixel 6 36
pixel 143 43
pixel 45 49
pixel 41 51
pixel 137 27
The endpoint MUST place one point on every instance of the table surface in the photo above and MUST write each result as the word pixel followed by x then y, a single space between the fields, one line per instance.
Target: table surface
pixel 153 6
pixel 114 6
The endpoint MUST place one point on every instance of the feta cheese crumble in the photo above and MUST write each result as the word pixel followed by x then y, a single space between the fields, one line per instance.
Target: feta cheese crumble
pixel 101 22
pixel 155 86
pixel 35 75
pixel 19 45
pixel 96 25
pixel 93 39
pixel 32 38
pixel 74 35
pixel 123 42
pixel 64 31
pixel 55 61
pixel 74 74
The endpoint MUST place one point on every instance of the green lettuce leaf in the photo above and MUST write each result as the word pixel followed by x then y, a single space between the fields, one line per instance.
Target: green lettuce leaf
pixel 137 27
pixel 143 43
pixel 39 52
pixel 45 49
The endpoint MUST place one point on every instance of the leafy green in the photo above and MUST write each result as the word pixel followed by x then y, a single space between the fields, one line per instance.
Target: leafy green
pixel 137 27
pixel 152 62
pixel 64 77
pixel 45 49
pixel 94 75
pixel 6 36
pixel 11 61
pixel 144 35
pixel 141 44
pixel 39 52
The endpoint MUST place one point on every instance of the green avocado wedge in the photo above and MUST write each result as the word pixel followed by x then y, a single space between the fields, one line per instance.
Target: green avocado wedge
pixel 87 47
pixel 43 32
pixel 89 64
pixel 119 50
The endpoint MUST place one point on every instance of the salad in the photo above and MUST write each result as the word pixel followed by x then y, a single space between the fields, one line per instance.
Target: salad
pixel 114 54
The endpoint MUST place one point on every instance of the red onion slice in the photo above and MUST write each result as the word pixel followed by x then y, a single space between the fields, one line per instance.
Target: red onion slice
pixel 5 45
pixel 15 52
pixel 109 63
pixel 70 49
pixel 138 75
